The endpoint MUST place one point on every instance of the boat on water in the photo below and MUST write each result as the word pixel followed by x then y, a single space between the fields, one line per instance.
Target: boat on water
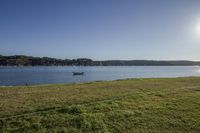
pixel 78 73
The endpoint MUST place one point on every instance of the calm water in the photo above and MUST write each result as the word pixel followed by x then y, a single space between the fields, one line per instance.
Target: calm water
pixel 10 76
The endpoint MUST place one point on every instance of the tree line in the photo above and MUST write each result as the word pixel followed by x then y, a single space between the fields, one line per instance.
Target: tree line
pixel 22 60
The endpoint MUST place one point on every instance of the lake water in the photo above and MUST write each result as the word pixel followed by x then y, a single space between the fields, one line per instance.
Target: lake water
pixel 11 76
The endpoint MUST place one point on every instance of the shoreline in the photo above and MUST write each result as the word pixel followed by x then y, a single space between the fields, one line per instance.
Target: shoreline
pixel 98 81
pixel 104 66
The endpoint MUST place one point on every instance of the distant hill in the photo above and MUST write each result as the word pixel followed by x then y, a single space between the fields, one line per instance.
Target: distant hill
pixel 22 60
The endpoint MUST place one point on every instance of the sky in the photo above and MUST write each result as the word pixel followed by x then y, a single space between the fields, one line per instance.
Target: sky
pixel 101 29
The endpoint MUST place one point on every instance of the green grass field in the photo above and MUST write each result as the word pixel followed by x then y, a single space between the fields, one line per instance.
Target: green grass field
pixel 133 105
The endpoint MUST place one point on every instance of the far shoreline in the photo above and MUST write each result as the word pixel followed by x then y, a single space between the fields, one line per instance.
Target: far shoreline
pixel 112 66
pixel 23 60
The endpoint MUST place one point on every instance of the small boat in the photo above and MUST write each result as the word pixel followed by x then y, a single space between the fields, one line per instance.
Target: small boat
pixel 78 73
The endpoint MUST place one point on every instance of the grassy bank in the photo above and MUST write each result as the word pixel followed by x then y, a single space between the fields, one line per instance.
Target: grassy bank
pixel 135 105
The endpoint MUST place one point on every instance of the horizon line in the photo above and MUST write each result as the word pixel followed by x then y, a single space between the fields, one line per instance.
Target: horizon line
pixel 102 59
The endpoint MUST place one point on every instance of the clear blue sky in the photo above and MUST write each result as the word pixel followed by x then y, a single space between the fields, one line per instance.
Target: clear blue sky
pixel 101 29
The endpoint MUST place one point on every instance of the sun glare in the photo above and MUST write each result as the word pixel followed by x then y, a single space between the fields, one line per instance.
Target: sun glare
pixel 198 28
